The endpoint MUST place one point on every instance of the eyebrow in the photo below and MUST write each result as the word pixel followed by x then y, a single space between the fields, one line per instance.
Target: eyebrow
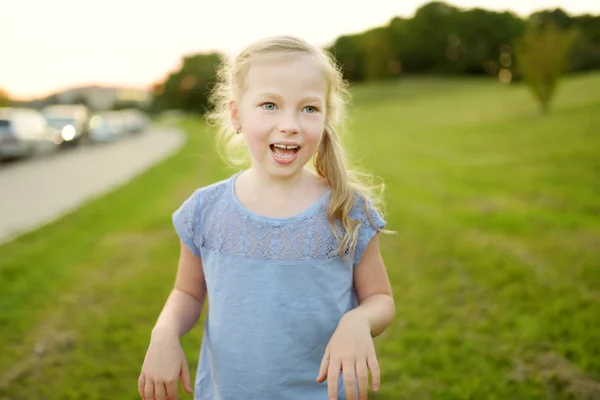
pixel 276 96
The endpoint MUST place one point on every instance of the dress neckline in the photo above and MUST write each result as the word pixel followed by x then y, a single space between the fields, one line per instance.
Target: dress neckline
pixel 306 212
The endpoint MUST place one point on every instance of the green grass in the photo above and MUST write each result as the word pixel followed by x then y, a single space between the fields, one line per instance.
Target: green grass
pixel 495 265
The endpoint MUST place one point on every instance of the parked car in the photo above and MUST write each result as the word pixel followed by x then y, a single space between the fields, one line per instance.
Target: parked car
pixel 72 120
pixel 135 121
pixel 106 126
pixel 24 131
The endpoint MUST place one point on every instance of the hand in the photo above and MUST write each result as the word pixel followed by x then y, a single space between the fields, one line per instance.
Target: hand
pixel 165 362
pixel 351 349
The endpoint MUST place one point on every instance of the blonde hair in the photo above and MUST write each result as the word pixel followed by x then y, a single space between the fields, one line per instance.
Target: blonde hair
pixel 330 159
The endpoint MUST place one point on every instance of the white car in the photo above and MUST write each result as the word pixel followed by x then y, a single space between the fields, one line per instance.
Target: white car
pixel 24 131
pixel 72 120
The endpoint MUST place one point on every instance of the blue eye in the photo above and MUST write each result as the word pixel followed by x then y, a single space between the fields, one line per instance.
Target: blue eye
pixel 268 106
pixel 310 109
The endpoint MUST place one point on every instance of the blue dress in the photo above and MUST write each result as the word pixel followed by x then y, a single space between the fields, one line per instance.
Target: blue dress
pixel 276 292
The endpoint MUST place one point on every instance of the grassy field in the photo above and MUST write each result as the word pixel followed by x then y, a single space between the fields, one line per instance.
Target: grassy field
pixel 495 267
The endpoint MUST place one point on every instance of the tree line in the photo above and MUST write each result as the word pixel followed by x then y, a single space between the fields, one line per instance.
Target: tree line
pixel 439 39
pixel 443 39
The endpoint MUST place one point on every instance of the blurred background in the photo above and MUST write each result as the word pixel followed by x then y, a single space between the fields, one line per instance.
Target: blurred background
pixel 482 118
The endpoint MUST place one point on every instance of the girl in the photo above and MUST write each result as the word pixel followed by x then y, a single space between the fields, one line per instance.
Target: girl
pixel 288 256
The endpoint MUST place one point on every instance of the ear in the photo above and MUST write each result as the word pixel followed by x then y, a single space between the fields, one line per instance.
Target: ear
pixel 235 115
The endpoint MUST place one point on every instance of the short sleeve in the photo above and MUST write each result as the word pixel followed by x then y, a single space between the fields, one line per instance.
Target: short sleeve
pixel 370 221
pixel 186 220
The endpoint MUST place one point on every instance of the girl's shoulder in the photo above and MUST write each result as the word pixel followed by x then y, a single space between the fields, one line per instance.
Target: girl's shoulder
pixel 204 202
pixel 205 196
pixel 364 210
pixel 370 222
pixel 210 192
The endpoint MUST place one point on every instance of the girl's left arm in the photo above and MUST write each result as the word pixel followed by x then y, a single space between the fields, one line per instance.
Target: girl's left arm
pixel 374 291
pixel 351 349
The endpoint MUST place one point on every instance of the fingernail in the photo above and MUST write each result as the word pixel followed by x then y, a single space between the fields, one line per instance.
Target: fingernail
pixel 376 387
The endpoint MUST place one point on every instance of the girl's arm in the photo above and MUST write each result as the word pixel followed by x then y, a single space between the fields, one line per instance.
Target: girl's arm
pixel 373 290
pixel 351 349
pixel 185 302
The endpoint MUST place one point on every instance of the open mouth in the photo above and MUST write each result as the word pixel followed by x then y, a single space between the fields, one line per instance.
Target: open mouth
pixel 283 151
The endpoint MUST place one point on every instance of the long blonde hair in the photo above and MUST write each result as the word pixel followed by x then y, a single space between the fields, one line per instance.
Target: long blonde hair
pixel 330 159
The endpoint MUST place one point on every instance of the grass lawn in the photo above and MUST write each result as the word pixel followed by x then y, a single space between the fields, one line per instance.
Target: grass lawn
pixel 495 265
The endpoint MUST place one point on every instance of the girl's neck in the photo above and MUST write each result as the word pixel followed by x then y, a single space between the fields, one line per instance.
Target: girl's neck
pixel 266 195
pixel 266 183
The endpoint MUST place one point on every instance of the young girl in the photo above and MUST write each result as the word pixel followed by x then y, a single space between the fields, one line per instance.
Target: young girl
pixel 287 256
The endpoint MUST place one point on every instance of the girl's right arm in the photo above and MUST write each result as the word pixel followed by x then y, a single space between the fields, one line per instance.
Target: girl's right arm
pixel 165 361
pixel 184 305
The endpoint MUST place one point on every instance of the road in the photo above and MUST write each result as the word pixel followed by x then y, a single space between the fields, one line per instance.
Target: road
pixel 37 191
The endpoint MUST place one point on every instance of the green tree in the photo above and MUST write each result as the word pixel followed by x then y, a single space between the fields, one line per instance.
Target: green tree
pixel 380 58
pixel 4 98
pixel 586 52
pixel 542 57
pixel 481 43
pixel 350 54
pixel 426 38
pixel 188 88
pixel 556 17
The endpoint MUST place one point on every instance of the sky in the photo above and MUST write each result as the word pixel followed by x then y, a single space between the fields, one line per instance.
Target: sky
pixel 47 46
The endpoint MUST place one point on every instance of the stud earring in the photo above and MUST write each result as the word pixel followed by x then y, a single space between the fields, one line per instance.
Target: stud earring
pixel 239 131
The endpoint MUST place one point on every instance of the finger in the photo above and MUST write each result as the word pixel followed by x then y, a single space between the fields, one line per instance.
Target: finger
pixel 149 390
pixel 349 373
pixel 141 385
pixel 186 379
pixel 171 388
pixel 373 365
pixel 333 378
pixel 323 369
pixel 362 376
pixel 160 392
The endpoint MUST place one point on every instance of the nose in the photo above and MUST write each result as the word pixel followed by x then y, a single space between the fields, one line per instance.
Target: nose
pixel 289 123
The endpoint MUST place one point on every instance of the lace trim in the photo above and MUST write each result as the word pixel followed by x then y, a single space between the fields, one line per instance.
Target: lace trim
pixel 224 226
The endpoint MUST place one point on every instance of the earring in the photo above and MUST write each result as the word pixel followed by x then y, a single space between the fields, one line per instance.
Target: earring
pixel 239 131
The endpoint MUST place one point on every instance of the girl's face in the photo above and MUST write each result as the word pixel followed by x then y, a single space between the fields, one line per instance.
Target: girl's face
pixel 281 112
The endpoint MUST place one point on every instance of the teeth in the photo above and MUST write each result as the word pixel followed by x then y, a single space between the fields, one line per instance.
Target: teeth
pixel 283 146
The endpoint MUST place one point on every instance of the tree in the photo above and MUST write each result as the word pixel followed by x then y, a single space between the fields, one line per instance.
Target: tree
pixel 542 57
pixel 188 88
pixel 349 53
pixel 380 60
pixel 483 41
pixel 556 17
pixel 4 98
pixel 586 49
pixel 426 41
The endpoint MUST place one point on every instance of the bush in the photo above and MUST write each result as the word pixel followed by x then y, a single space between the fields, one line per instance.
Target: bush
pixel 542 55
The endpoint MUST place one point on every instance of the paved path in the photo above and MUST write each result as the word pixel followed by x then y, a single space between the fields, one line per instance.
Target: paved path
pixel 37 191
